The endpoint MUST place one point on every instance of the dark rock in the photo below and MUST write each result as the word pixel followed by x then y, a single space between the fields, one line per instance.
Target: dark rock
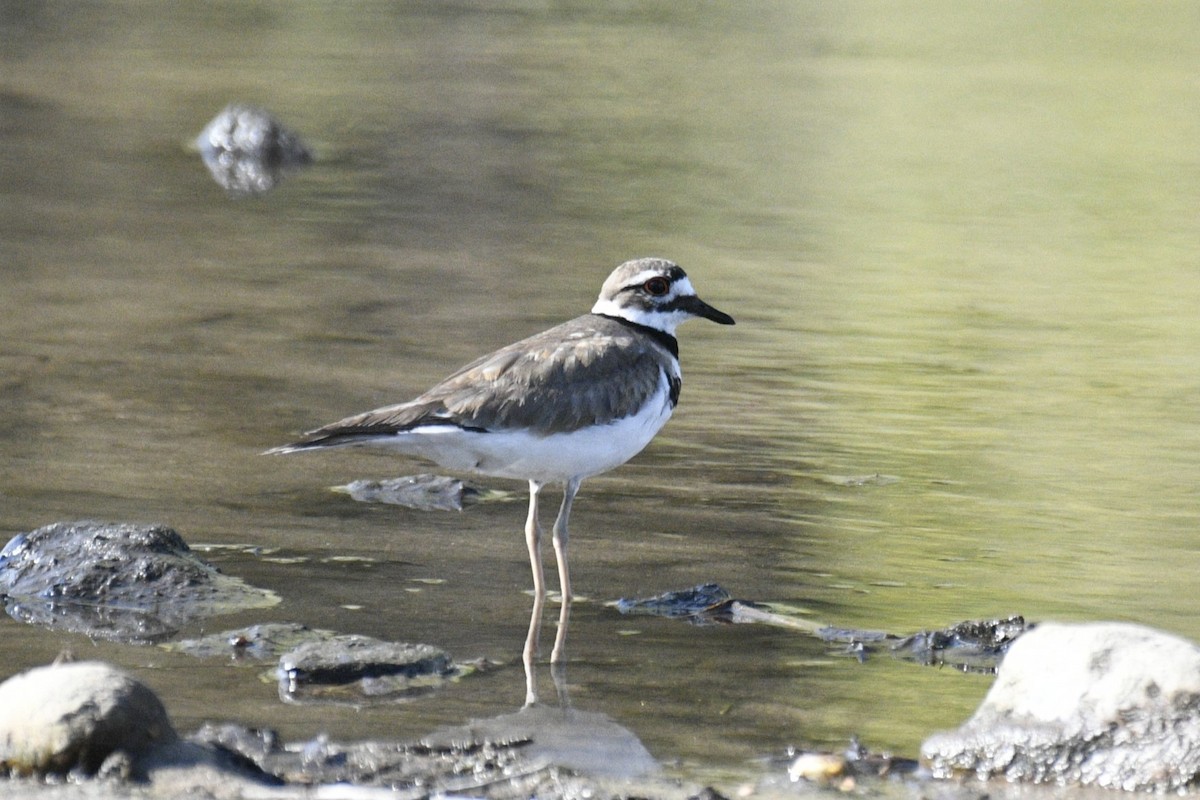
pixel 358 669
pixel 78 717
pixel 707 603
pixel 248 151
pixel 124 582
pixel 973 646
pixel 708 793
pixel 1103 704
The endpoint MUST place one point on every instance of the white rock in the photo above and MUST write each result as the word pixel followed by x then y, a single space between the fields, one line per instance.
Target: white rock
pixel 73 716
pixel 1091 672
pixel 1106 704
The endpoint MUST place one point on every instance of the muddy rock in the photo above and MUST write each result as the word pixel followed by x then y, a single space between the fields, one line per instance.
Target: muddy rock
pixel 91 720
pixel 474 768
pixel 75 717
pixel 1104 704
pixel 359 669
pixel 123 582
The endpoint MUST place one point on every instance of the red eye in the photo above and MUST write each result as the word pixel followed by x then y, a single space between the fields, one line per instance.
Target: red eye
pixel 657 287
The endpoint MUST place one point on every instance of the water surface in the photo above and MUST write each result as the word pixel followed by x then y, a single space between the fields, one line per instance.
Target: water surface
pixel 958 238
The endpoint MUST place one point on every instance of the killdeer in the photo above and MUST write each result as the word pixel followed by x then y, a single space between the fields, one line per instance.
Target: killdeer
pixel 562 405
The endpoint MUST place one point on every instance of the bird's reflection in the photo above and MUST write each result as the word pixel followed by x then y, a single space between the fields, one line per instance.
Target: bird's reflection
pixel 557 655
pixel 589 742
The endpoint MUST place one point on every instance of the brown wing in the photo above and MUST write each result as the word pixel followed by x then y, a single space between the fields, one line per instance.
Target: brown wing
pixel 589 371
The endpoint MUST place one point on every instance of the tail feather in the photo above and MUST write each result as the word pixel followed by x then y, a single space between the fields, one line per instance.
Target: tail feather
pixel 321 441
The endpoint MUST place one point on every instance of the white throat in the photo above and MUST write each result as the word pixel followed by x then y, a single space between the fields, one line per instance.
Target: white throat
pixel 665 321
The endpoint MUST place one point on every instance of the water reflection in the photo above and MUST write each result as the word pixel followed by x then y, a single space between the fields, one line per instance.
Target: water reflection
pixel 249 152
pixel 587 741
pixel 530 652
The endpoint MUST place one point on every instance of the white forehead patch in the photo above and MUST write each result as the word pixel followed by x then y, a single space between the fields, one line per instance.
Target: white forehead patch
pixel 683 287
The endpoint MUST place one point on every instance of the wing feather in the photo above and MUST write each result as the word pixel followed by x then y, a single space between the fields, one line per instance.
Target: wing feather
pixel 589 371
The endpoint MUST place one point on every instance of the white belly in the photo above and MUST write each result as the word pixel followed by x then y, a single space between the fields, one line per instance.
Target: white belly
pixel 524 455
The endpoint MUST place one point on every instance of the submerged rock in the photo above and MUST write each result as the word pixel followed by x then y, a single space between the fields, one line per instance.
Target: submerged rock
pixel 360 669
pixel 254 643
pixel 74 717
pixel 586 742
pixel 423 492
pixel 1105 704
pixel 248 151
pixel 124 582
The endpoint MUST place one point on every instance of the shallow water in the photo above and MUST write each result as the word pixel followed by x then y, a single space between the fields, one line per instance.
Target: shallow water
pixel 959 241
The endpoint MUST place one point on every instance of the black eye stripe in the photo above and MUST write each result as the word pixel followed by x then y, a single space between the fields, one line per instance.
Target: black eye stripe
pixel 677 304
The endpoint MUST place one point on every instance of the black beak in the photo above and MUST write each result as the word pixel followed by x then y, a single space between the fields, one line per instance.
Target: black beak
pixel 702 309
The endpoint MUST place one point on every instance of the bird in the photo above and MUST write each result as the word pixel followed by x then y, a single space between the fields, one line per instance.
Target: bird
pixel 560 406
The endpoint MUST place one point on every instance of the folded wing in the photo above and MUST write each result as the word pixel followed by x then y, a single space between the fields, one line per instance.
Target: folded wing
pixel 589 371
